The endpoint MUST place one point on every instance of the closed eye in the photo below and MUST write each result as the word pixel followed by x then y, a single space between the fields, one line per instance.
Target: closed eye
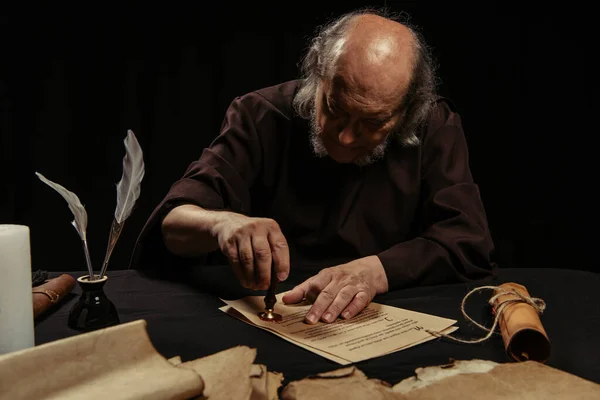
pixel 332 106
pixel 377 122
pixel 332 109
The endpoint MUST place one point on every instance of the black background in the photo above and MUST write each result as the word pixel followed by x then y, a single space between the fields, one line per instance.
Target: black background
pixel 74 79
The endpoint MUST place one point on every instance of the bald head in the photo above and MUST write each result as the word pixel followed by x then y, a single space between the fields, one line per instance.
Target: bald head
pixel 377 58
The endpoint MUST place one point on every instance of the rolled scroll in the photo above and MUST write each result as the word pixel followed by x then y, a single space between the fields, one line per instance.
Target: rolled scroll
pixel 51 292
pixel 522 331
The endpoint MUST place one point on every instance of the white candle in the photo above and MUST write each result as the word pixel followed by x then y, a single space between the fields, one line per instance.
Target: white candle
pixel 16 304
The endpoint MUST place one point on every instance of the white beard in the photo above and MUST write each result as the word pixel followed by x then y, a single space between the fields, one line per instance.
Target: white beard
pixel 320 150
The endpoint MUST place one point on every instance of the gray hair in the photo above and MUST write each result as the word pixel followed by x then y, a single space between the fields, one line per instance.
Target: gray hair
pixel 326 47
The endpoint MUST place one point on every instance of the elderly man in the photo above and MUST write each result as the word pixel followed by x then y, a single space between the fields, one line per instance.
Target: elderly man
pixel 358 171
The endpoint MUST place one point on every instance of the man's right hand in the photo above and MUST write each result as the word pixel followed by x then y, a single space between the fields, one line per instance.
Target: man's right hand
pixel 252 245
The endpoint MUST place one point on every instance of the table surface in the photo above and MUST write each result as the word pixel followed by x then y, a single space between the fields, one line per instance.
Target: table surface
pixel 183 320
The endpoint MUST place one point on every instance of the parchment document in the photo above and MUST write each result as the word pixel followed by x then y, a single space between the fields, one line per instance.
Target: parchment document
pixel 377 330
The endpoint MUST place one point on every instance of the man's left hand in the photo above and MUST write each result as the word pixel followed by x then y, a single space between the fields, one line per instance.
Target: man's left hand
pixel 341 290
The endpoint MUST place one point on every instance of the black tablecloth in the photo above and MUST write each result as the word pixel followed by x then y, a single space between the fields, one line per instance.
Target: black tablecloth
pixel 183 319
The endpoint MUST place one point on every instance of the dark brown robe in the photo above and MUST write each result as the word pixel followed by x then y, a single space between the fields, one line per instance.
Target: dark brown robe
pixel 417 209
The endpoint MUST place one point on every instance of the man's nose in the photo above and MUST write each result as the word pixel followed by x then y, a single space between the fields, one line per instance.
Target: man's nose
pixel 347 135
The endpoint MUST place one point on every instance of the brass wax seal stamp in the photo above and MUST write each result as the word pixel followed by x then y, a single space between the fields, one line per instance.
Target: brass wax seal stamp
pixel 269 314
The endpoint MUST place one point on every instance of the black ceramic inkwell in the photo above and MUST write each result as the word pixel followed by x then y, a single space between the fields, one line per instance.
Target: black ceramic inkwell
pixel 93 310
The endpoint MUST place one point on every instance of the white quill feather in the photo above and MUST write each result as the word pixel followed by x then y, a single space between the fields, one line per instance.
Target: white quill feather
pixel 80 220
pixel 128 191
pixel 129 187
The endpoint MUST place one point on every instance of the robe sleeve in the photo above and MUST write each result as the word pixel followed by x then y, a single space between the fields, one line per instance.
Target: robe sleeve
pixel 453 242
pixel 219 180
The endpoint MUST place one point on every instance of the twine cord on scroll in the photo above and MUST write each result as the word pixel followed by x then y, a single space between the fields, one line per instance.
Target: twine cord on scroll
pixel 538 304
